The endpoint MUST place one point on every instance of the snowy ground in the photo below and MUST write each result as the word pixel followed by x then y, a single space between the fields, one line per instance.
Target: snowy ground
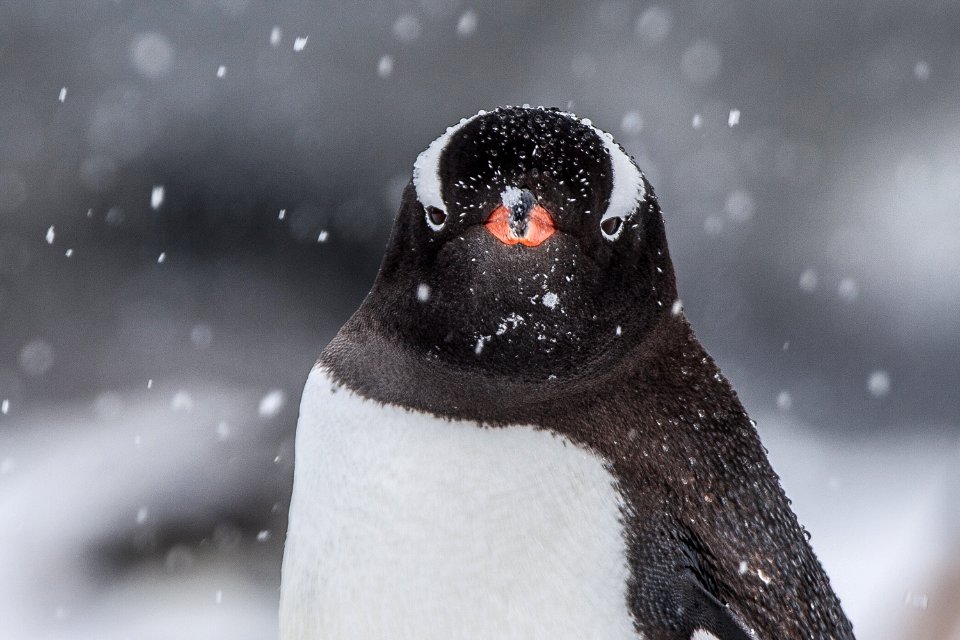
pixel 129 517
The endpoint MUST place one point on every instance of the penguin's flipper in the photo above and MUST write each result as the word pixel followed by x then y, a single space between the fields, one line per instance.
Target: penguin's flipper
pixel 706 618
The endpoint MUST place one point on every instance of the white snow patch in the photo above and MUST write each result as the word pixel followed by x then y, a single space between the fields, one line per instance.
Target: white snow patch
pixel 511 197
pixel 511 321
pixel 423 292
pixel 550 300
pixel 676 308
pixel 481 341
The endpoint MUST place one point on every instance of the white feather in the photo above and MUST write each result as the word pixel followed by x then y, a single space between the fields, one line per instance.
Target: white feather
pixel 404 526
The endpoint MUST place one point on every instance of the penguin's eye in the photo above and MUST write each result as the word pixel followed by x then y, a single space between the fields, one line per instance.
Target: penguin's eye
pixel 611 227
pixel 435 218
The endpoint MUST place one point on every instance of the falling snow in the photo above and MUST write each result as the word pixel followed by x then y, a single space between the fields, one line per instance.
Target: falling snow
pixel 385 66
pixel 182 401
pixel 784 401
pixel 808 280
pixel 300 42
pixel 878 384
pixel 631 123
pixel 407 28
pixel 848 290
pixel 156 197
pixel 272 403
pixel 467 24
pixel 423 292
pixel 550 300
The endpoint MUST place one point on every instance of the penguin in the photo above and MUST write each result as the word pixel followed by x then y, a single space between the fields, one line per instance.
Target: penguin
pixel 518 436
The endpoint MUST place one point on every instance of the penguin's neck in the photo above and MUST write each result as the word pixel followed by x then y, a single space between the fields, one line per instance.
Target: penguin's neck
pixel 406 525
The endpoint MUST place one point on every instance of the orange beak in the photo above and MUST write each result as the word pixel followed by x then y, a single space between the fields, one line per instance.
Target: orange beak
pixel 539 226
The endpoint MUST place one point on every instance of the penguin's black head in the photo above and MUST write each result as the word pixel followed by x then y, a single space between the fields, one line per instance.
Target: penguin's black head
pixel 528 244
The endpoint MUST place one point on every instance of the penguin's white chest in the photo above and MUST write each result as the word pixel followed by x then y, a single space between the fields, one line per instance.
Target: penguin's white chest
pixel 404 525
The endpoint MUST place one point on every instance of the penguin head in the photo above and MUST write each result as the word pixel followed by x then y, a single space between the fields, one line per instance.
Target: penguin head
pixel 527 244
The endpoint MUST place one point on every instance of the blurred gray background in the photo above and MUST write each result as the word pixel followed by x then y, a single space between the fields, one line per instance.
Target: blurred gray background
pixel 166 171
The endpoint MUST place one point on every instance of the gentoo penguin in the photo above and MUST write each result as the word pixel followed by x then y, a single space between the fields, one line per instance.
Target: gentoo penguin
pixel 518 436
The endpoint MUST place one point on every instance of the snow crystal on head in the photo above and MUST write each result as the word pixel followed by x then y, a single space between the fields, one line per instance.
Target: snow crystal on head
pixel 426 169
pixel 511 197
